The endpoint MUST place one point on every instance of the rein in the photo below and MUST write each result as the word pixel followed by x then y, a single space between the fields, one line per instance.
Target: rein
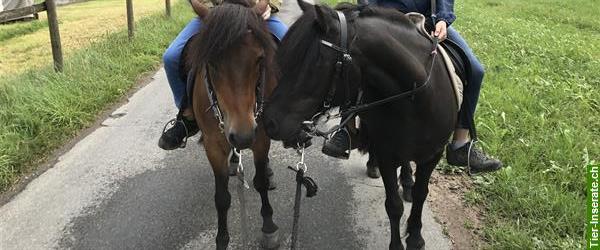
pixel 341 65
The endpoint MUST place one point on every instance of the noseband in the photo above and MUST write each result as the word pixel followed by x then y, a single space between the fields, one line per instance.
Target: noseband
pixel 214 103
pixel 342 65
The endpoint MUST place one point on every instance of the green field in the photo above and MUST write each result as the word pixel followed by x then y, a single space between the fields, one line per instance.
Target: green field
pixel 539 112
pixel 41 110
pixel 26 45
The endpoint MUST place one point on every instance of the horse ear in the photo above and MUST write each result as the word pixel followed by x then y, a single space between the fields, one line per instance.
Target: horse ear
pixel 200 9
pixel 304 5
pixel 324 20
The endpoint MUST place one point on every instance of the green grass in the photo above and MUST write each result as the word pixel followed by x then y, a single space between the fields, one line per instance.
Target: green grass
pixel 9 31
pixel 539 112
pixel 26 46
pixel 40 110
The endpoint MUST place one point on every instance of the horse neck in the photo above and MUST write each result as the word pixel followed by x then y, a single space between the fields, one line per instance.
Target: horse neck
pixel 392 54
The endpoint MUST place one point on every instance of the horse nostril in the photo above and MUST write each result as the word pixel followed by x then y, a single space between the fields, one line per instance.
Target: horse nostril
pixel 271 126
pixel 232 139
pixel 241 141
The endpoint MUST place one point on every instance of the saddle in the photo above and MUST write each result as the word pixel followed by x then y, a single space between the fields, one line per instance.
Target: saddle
pixel 455 59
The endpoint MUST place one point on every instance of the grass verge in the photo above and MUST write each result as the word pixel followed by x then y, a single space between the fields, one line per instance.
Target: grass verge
pixel 539 112
pixel 9 31
pixel 40 110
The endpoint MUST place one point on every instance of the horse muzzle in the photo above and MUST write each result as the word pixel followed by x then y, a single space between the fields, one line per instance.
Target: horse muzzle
pixel 241 140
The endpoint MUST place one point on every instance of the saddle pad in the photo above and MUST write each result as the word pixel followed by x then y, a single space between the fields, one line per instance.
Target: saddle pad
pixel 419 20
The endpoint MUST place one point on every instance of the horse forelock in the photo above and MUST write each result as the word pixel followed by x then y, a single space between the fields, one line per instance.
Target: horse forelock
pixel 224 28
pixel 300 42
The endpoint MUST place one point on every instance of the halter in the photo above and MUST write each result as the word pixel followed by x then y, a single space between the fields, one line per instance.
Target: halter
pixel 214 104
pixel 341 66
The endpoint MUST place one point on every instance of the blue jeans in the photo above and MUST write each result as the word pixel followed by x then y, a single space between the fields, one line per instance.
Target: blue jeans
pixel 474 80
pixel 172 56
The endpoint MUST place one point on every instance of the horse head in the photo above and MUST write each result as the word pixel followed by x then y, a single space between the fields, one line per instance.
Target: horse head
pixel 313 73
pixel 232 56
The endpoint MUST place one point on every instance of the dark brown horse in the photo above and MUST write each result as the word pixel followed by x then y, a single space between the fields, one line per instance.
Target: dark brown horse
pixel 232 61
pixel 331 58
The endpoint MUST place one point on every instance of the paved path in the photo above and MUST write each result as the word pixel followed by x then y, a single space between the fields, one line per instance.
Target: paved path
pixel 115 189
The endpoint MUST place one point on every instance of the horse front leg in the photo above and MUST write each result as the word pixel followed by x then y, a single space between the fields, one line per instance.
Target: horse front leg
pixel 262 184
pixel 393 204
pixel 420 190
pixel 217 154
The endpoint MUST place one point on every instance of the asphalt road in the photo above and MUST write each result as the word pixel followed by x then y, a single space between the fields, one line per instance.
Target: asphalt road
pixel 115 189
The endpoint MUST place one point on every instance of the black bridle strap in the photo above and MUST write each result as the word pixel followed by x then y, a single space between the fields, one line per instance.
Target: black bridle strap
pixel 343 30
pixel 342 60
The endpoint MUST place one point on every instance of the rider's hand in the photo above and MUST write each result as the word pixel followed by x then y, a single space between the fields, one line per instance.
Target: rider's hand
pixel 441 30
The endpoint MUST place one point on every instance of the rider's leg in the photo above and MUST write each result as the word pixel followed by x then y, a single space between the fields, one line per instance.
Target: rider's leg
pixel 277 27
pixel 471 92
pixel 184 125
pixel 457 153
pixel 172 57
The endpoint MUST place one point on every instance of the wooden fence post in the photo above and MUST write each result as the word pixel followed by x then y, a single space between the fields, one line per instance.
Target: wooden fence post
pixel 130 22
pixel 54 35
pixel 168 7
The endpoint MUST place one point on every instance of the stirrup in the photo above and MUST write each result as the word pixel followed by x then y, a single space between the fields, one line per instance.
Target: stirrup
pixel 172 123
pixel 344 155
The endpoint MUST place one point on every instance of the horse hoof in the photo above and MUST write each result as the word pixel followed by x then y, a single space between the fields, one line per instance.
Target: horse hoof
pixel 270 240
pixel 407 194
pixel 373 172
pixel 415 243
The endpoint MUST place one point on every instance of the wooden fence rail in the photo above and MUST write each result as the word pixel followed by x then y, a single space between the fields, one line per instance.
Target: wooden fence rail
pixel 20 12
pixel 50 9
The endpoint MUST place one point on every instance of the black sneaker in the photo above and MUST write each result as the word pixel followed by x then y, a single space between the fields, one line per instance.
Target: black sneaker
pixel 338 146
pixel 176 136
pixel 479 161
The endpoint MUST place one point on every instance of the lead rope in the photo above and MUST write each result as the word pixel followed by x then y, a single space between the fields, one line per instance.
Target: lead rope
pixel 311 190
pixel 242 185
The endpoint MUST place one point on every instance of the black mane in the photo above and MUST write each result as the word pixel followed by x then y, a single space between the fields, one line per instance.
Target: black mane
pixel 223 28
pixel 302 39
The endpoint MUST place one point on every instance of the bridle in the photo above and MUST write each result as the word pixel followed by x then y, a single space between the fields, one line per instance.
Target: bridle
pixel 343 63
pixel 214 103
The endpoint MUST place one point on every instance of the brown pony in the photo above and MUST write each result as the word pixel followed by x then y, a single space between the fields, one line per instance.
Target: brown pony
pixel 231 64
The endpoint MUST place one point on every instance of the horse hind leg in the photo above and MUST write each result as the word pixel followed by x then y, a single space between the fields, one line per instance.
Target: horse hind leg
pixel 406 180
pixel 420 190
pixel 393 203
pixel 372 169
pixel 262 184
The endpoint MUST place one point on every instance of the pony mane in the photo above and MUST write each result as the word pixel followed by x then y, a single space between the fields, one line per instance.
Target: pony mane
pixel 302 42
pixel 388 14
pixel 302 39
pixel 223 28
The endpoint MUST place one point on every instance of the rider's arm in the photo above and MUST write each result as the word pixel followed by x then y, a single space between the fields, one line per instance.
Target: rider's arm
pixel 445 11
